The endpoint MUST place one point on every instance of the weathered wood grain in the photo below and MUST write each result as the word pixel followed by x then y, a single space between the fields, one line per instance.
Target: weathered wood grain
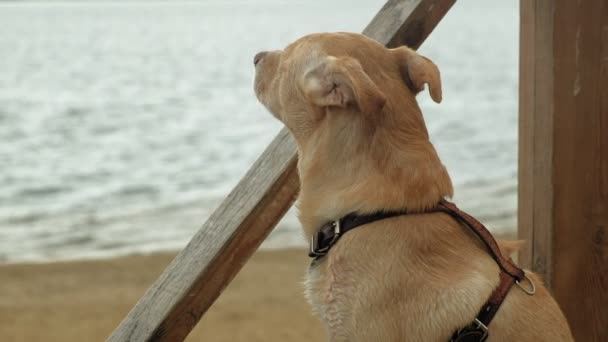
pixel 527 113
pixel 535 131
pixel 564 155
pixel 407 22
pixel 190 284
pixel 174 304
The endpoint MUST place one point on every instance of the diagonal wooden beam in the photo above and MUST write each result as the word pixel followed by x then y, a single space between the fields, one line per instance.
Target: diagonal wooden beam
pixel 403 22
pixel 173 305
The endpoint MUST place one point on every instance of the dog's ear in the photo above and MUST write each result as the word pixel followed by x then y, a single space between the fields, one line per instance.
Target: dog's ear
pixel 342 82
pixel 417 70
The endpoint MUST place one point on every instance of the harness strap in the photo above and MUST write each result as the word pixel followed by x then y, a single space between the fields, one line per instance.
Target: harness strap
pixel 509 274
pixel 478 329
pixel 506 264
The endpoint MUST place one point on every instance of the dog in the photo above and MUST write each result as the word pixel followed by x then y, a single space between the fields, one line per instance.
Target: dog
pixel 363 147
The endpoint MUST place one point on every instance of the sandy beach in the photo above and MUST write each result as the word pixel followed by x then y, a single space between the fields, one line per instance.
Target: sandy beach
pixel 85 300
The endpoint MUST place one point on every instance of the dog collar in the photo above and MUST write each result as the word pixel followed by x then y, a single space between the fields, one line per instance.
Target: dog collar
pixel 327 236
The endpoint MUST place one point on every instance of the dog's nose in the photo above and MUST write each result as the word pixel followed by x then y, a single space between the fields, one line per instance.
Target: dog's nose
pixel 258 57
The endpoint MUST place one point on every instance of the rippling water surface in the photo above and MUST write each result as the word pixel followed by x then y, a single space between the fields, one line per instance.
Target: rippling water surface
pixel 123 124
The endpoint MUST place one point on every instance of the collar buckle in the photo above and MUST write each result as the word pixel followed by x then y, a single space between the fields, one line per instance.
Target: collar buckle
pixel 319 245
pixel 476 331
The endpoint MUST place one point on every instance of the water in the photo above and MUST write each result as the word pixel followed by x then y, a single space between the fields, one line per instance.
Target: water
pixel 123 124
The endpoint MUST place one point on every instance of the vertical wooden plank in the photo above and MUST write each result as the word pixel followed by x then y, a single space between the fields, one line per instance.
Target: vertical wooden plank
pixel 563 196
pixel 525 210
pixel 536 129
pixel 580 262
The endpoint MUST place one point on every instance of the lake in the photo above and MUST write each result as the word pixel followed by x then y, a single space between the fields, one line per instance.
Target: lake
pixel 123 124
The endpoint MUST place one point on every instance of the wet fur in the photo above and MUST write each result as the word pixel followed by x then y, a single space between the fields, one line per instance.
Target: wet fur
pixel 363 146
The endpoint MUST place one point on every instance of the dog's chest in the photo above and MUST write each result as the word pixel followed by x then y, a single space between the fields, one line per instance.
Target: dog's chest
pixel 330 289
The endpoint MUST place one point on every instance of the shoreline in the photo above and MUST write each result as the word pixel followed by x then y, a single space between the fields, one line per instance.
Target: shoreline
pixel 76 300
pixel 69 300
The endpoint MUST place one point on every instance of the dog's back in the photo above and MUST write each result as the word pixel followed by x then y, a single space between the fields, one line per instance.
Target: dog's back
pixel 420 278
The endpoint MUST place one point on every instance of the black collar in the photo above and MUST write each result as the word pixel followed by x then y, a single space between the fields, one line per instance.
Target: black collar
pixel 323 239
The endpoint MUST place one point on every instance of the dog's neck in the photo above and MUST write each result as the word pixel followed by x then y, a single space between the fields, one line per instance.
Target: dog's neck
pixel 353 163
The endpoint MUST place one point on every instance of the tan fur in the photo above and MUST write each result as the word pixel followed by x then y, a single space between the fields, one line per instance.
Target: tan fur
pixel 363 147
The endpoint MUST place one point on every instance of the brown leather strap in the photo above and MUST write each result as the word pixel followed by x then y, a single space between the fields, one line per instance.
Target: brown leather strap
pixel 477 331
pixel 490 307
pixel 506 264
pixel 510 273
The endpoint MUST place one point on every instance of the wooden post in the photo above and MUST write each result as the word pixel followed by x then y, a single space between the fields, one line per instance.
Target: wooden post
pixel 563 155
pixel 180 296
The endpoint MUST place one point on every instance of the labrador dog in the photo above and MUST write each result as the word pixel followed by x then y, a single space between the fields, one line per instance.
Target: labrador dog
pixel 363 147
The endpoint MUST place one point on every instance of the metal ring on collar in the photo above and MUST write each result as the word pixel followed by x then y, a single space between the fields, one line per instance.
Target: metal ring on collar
pixel 530 291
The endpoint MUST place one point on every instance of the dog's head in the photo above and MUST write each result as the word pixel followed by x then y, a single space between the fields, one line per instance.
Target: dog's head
pixel 350 104
pixel 327 73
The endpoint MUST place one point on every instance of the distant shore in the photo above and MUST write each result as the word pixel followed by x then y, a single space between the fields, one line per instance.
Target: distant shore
pixel 85 300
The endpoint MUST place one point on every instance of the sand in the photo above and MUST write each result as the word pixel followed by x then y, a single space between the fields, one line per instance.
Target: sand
pixel 85 300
